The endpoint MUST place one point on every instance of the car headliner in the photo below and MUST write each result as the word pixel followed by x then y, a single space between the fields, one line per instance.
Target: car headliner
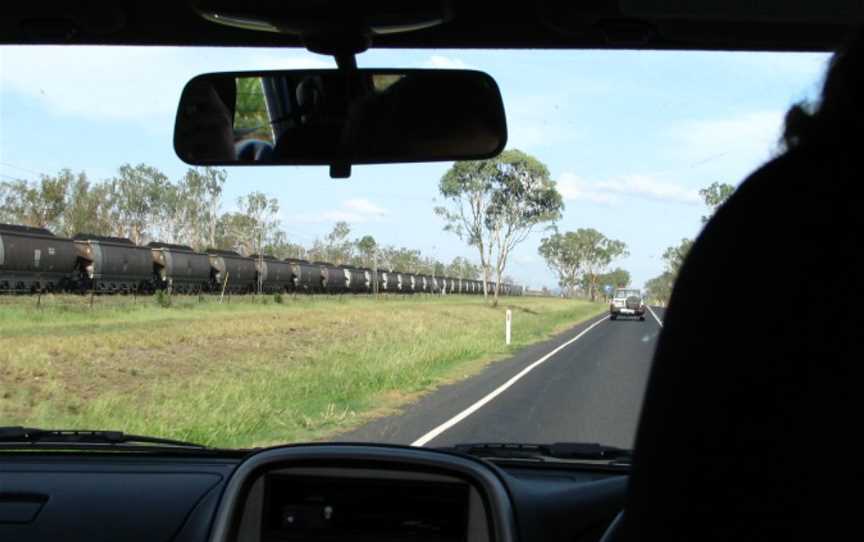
pixel 780 25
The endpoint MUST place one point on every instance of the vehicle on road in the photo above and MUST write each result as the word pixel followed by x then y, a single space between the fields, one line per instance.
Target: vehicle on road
pixel 627 302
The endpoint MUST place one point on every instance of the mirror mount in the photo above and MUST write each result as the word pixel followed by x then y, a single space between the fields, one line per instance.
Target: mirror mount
pixel 330 27
pixel 344 48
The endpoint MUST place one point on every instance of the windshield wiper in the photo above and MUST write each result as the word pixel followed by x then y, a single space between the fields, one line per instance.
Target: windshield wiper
pixel 570 451
pixel 34 436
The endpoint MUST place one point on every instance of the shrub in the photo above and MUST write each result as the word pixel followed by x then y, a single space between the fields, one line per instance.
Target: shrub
pixel 163 299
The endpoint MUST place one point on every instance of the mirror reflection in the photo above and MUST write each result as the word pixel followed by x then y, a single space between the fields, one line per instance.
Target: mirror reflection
pixel 321 116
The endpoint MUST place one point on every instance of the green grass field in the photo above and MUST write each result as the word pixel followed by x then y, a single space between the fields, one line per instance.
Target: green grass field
pixel 248 373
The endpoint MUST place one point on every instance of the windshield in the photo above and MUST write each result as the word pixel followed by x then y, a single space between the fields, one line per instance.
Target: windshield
pixel 249 306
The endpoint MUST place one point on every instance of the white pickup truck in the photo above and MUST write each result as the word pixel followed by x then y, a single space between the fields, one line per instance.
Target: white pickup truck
pixel 627 302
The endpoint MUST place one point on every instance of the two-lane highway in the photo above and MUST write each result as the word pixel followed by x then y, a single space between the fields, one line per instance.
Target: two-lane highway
pixel 584 385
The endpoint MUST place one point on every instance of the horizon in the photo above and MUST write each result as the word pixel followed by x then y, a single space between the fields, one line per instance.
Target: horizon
pixel 629 136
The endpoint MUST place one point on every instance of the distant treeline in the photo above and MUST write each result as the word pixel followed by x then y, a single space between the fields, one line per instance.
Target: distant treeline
pixel 142 204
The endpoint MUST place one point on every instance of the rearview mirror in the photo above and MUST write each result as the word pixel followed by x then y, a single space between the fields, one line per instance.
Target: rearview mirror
pixel 339 118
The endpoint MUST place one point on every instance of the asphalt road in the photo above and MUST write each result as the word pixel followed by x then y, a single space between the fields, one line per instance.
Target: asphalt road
pixel 589 390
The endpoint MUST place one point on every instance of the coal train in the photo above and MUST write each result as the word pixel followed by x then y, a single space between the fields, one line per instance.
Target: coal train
pixel 35 260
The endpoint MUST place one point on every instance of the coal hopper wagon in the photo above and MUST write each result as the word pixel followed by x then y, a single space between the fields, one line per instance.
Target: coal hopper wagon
pixel 178 268
pixel 236 273
pixel 308 277
pixel 359 279
pixel 113 264
pixel 35 260
pixel 335 278
pixel 274 275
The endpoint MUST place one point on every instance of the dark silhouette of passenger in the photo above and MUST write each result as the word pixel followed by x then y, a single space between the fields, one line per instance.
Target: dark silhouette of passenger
pixel 425 117
pixel 205 123
pixel 743 396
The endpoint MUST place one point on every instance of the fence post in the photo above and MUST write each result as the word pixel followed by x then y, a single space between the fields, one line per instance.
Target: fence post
pixel 39 300
pixel 224 285
pixel 507 325
pixel 92 294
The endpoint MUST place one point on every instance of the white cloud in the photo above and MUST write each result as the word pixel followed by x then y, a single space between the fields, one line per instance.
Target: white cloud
pixel 113 83
pixel 524 259
pixel 290 62
pixel 609 191
pixel 751 138
pixel 806 66
pixel 140 84
pixel 353 211
pixel 446 63
pixel 533 121
pixel 649 187
pixel 575 188
pixel 364 206
pixel 744 130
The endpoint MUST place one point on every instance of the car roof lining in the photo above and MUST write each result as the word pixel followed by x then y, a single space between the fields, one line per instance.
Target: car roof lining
pixel 758 25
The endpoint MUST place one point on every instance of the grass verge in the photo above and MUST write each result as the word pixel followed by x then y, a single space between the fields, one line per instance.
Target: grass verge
pixel 250 373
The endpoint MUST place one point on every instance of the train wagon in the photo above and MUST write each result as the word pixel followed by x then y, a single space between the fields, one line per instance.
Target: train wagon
pixel 434 284
pixel 35 260
pixel 335 278
pixel 383 280
pixel 274 275
pixel 422 284
pixel 113 264
pixel 409 283
pixel 235 272
pixel 447 284
pixel 390 282
pixel 178 268
pixel 308 277
pixel 360 279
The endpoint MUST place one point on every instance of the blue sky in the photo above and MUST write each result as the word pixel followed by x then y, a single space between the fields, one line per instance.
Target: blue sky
pixel 630 136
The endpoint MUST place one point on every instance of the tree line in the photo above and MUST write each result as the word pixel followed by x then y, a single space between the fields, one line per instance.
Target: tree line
pixel 494 205
pixel 142 204
pixel 579 259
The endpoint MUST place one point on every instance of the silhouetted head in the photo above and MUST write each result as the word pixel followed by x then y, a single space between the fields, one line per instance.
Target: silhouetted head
pixel 430 117
pixel 205 124
pixel 837 118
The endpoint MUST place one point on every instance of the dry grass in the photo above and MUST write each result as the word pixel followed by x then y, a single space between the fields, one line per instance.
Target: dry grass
pixel 249 373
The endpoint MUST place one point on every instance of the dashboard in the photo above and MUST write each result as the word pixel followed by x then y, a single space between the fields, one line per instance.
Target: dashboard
pixel 324 503
pixel 321 492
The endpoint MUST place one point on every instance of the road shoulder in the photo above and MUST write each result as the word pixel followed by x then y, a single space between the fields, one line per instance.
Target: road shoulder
pixel 449 400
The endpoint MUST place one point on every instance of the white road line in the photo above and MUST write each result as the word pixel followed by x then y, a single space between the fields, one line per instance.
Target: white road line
pixel 499 390
pixel 654 315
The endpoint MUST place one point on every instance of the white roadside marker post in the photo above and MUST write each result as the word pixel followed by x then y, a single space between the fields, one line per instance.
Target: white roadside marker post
pixel 509 321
